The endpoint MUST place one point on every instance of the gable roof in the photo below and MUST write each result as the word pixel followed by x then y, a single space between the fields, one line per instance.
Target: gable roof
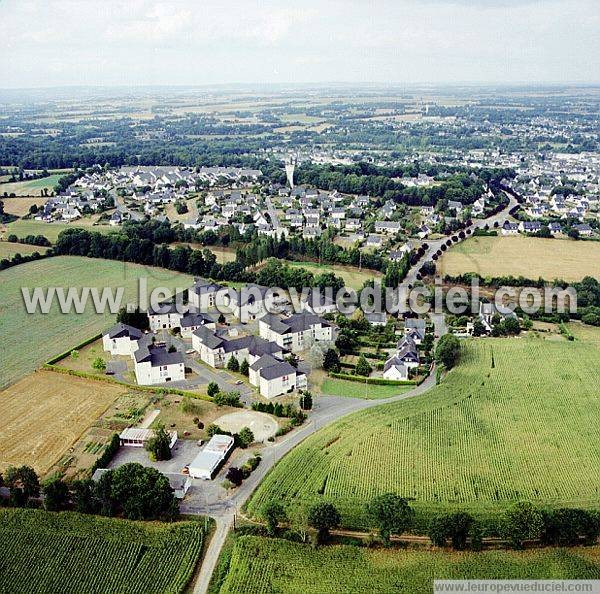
pixel 121 330
pixel 276 370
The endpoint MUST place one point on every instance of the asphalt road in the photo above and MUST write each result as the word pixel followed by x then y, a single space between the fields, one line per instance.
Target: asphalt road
pixel 326 410
pixel 436 244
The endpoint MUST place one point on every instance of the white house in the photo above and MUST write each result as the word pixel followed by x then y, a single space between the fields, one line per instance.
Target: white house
pixel 275 377
pixel 216 350
pixel 155 365
pixel 121 339
pixel 191 321
pixel 395 369
pixel 423 231
pixel 406 353
pixel 297 332
pixel 414 328
pixel 510 228
pixel 202 295
pixel 319 303
pixel 165 317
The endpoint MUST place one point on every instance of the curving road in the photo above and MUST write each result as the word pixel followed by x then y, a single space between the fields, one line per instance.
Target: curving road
pixel 326 410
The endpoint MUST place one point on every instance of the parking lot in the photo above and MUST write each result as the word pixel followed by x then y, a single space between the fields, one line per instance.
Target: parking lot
pixel 183 453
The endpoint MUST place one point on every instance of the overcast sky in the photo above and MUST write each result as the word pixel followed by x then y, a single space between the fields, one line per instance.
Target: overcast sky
pixel 196 42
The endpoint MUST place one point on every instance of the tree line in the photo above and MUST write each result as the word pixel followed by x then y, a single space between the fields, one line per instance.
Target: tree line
pixel 131 491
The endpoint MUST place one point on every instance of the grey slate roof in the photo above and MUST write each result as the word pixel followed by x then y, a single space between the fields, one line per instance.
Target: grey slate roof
pixel 296 323
pixel 196 319
pixel 119 330
pixel 278 370
pixel 157 356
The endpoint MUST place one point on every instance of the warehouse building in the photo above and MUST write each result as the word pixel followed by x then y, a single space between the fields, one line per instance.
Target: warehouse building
pixel 206 463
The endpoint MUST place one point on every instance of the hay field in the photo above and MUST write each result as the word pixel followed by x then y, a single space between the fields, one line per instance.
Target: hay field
pixel 530 257
pixel 45 413
pixel 20 206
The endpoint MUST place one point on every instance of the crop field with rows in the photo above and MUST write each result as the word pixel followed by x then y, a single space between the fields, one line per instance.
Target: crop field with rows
pixel 517 419
pixel 260 565
pixel 74 554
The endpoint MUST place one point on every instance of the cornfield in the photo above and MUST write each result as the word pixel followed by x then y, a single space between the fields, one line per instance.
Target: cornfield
pixel 261 565
pixel 70 553
pixel 525 427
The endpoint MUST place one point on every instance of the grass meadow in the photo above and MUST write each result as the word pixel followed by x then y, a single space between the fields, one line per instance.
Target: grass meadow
pixel 352 276
pixel 31 187
pixel 23 227
pixel 30 340
pixel 8 250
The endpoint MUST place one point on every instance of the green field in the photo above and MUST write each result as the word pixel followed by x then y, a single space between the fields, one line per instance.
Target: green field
pixel 31 187
pixel 8 250
pixel 22 228
pixel 30 340
pixel 260 565
pixel 340 387
pixel 74 554
pixel 353 277
pixel 517 419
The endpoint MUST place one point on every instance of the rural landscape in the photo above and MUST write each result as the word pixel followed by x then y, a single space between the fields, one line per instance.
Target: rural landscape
pixel 299 298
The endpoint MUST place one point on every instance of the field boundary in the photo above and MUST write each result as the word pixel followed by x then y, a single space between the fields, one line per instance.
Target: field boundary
pixel 51 365
pixel 135 387
pixel 376 381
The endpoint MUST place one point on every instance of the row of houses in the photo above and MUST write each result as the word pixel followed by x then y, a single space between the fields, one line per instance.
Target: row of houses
pixel 555 228
pixel 153 363
pixel 406 355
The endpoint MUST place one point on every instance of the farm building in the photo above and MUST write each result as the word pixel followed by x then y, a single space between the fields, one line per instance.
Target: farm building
pixel 137 437
pixel 209 459
pixel 180 483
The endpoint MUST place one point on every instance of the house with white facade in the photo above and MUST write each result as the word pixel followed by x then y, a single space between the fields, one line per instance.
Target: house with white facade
pixel 121 339
pixel 414 328
pixel 165 316
pixel 202 294
pixel 275 377
pixel 297 332
pixel 216 350
pixel 156 365
pixel 395 369
pixel 191 321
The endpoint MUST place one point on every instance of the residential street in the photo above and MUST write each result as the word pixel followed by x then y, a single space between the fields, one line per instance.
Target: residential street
pixel 436 244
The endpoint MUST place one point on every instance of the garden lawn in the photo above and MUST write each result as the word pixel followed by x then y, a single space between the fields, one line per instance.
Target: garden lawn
pixel 340 387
